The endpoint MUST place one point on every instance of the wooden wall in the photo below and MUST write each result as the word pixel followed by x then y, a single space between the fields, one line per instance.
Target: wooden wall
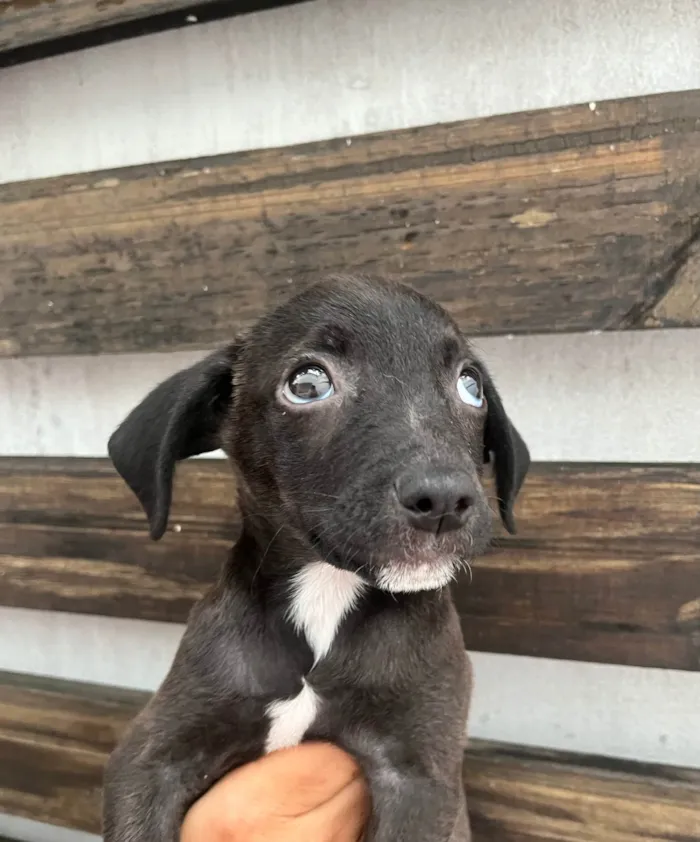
pixel 570 219
pixel 575 218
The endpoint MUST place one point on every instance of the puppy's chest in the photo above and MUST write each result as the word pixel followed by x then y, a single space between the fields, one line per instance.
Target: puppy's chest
pixel 321 598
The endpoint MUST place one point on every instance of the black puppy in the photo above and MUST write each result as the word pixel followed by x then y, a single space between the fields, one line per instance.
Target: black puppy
pixel 357 419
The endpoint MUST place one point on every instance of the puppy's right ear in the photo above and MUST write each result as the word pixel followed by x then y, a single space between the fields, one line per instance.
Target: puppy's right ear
pixel 504 444
pixel 181 417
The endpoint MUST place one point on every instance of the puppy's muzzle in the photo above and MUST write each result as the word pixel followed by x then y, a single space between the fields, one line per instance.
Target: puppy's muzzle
pixel 436 500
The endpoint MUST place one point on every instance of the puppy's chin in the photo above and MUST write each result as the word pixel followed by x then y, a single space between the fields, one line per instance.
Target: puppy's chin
pixel 417 574
pixel 407 561
pixel 422 561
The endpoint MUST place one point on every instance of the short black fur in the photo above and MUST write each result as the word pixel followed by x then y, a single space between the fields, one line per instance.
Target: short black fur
pixel 324 482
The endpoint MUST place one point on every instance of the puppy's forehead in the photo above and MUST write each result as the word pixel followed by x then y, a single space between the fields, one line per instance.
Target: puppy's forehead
pixel 365 315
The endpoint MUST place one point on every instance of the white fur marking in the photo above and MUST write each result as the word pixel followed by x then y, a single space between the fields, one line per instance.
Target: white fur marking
pixel 322 595
pixel 290 719
pixel 406 578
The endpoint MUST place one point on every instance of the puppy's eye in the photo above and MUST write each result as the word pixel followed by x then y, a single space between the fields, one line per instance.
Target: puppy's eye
pixel 469 388
pixel 308 383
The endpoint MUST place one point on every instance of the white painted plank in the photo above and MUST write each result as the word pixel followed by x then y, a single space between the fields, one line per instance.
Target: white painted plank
pixel 629 397
pixel 24 830
pixel 332 68
pixel 645 714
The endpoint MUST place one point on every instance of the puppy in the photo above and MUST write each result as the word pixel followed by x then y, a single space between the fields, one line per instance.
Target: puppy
pixel 357 419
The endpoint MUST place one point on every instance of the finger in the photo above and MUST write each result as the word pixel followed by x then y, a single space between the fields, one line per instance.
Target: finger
pixel 310 775
pixel 342 818
pixel 281 785
pixel 291 781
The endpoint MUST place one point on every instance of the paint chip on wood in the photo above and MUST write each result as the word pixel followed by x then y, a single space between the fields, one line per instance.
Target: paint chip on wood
pixel 689 613
pixel 106 182
pixel 9 348
pixel 532 218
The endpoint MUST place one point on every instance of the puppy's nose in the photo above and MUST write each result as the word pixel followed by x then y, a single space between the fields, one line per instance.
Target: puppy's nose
pixel 438 501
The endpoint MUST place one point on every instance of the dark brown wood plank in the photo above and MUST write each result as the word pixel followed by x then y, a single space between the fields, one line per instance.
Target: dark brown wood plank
pixel 72 539
pixel 605 568
pixel 55 737
pixel 23 23
pixel 36 30
pixel 526 795
pixel 560 220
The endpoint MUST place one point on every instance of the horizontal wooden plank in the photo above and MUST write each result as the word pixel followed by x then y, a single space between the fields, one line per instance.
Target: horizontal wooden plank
pixel 605 567
pixel 525 795
pixel 570 219
pixel 55 737
pixel 35 30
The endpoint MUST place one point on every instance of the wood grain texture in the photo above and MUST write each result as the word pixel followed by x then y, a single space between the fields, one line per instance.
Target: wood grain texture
pixel 55 737
pixel 37 29
pixel 25 22
pixel 72 539
pixel 560 220
pixel 524 795
pixel 605 568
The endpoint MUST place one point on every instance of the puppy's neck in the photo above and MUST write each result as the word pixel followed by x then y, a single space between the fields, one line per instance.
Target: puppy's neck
pixel 321 597
pixel 277 551
pixel 287 580
pixel 271 543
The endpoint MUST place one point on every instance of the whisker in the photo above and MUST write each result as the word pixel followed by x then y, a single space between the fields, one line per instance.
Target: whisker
pixel 264 555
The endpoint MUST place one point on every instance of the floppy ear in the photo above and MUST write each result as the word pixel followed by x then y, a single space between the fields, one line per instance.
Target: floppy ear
pixel 181 417
pixel 504 444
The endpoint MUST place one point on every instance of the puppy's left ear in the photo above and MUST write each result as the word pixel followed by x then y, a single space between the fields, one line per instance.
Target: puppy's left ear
pixel 504 444
pixel 181 417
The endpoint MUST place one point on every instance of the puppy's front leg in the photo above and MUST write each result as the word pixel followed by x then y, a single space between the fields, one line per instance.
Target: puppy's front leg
pixel 162 765
pixel 201 723
pixel 411 808
pixel 145 796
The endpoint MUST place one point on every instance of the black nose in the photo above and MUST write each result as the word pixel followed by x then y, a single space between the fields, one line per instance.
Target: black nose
pixel 436 501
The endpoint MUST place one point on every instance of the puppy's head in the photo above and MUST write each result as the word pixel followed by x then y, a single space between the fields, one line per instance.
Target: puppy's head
pixel 358 419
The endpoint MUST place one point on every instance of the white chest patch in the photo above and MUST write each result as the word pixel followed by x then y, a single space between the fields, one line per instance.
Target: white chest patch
pixel 290 719
pixel 321 597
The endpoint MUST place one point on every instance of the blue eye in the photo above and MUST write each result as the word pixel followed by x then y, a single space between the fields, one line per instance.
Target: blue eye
pixel 470 389
pixel 308 384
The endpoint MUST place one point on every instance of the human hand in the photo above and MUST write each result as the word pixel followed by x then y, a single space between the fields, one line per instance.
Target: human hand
pixel 313 792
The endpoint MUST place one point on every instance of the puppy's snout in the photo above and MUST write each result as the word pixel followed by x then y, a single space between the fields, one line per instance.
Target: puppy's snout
pixel 436 500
